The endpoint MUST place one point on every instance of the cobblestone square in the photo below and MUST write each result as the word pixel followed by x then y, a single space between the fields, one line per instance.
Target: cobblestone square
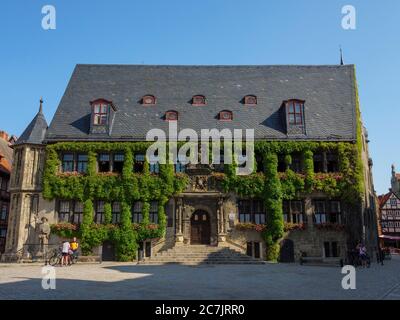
pixel 130 281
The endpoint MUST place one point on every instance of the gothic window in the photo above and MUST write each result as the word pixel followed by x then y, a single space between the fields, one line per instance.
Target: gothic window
pixel 250 100
pixel 137 215
pixel 153 212
pixel 149 99
pixel 327 211
pixel 116 213
pixel 199 100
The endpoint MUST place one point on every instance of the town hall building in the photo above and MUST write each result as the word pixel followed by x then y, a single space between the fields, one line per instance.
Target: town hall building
pixel 87 175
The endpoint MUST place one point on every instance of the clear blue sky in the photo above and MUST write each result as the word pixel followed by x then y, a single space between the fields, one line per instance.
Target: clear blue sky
pixel 35 62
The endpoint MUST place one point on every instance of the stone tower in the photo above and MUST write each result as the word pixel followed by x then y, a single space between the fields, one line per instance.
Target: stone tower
pixel 25 190
pixel 394 181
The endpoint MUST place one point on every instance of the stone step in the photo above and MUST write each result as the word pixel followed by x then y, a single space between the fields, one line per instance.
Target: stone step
pixel 151 262
pixel 199 259
pixel 200 254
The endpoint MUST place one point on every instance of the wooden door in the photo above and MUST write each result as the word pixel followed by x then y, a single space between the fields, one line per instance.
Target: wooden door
pixel 200 228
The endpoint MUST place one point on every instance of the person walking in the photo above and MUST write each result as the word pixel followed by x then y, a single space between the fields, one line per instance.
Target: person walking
pixel 362 251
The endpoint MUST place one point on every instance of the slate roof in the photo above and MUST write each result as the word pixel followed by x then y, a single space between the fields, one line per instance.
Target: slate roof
pixel 328 91
pixel 35 132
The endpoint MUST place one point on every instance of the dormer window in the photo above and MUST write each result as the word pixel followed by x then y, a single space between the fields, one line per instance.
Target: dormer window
pixel 250 100
pixel 100 109
pixel 295 112
pixel 225 115
pixel 149 99
pixel 171 115
pixel 199 100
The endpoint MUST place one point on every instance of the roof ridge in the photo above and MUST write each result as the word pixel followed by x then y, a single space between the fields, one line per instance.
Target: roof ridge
pixel 216 65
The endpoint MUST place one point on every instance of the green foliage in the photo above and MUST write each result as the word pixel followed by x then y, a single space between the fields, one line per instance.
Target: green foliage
pixel 309 170
pixel 107 213
pixel 130 187
pixel 273 205
pixel 125 188
pixel 272 187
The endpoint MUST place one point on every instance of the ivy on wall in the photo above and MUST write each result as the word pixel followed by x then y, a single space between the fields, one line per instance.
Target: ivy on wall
pixel 273 186
pixel 125 188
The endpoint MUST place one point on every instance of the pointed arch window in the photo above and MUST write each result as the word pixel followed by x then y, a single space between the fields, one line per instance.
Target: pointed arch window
pixel 199 100
pixel 171 115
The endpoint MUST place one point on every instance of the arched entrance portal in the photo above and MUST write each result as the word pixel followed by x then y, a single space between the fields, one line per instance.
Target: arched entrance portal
pixel 200 227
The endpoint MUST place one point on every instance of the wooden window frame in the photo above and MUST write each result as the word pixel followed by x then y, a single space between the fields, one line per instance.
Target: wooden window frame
pixel 295 113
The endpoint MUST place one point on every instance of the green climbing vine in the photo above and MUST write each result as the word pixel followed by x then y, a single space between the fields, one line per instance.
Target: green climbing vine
pixel 125 188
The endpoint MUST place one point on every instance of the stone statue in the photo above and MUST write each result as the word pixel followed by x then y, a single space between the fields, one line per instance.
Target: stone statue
pixel 44 234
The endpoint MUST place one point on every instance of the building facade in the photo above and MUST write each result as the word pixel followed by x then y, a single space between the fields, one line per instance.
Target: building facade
pixel 6 155
pixel 389 215
pixel 87 174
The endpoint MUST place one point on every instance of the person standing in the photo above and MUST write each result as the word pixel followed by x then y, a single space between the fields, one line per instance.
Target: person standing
pixel 74 248
pixel 66 247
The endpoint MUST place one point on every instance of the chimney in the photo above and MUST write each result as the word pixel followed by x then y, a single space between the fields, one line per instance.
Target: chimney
pixel 4 135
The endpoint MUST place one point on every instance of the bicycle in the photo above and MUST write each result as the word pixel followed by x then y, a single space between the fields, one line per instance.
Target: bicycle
pixel 56 258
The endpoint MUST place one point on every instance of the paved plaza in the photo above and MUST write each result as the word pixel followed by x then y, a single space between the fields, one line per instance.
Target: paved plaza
pixel 130 281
